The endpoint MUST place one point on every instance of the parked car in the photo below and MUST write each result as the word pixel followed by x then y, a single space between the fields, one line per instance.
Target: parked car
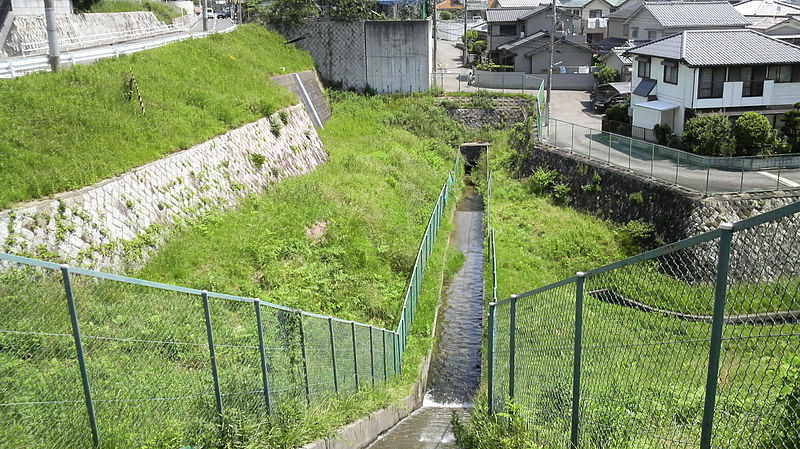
pixel 210 14
pixel 611 94
pixel 224 14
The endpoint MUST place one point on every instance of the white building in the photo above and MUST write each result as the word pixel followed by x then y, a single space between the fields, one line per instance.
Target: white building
pixel 703 71
pixel 594 15
pixel 654 20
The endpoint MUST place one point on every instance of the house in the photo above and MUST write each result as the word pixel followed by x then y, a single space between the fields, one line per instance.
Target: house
pixel 617 28
pixel 506 25
pixel 531 54
pixel 766 14
pixel 519 4
pixel 787 30
pixel 619 61
pixel 703 71
pixel 654 20
pixel 594 15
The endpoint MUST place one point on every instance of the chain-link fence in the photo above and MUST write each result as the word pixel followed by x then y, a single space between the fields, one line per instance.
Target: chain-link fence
pixel 694 344
pixel 91 359
pixel 707 174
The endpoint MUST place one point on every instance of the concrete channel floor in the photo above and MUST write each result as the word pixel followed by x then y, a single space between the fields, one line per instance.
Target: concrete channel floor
pixel 454 376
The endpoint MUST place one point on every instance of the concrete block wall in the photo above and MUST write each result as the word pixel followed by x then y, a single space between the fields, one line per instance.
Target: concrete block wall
pixel 75 29
pixel 114 225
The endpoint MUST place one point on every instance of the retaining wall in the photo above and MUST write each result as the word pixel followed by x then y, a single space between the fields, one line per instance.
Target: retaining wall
pixel 114 225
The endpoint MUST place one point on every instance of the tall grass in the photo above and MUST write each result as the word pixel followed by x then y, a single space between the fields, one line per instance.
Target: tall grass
pixel 62 131
pixel 163 11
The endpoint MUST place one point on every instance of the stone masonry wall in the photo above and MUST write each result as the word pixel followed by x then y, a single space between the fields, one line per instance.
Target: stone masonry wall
pixel 622 196
pixel 115 224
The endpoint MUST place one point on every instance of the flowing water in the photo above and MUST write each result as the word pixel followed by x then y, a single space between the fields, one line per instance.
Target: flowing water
pixel 455 370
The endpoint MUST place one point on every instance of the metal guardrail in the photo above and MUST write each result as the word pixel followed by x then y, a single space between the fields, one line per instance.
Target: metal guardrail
pixel 92 359
pixel 587 367
pixel 12 68
pixel 703 174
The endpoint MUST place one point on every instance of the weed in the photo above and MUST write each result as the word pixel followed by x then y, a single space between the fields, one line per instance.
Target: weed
pixel 636 198
pixel 257 160
pixel 284 115
pixel 275 127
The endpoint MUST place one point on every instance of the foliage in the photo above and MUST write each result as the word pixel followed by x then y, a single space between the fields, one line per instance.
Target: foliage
pixel 83 5
pixel 788 417
pixel 640 232
pixel 288 14
pixel 163 11
pixel 755 135
pixel 664 135
pixel 502 430
pixel 542 181
pixel 94 133
pixel 492 67
pixel 445 15
pixel 617 117
pixel 348 10
pixel 606 75
pixel 791 128
pixel 710 134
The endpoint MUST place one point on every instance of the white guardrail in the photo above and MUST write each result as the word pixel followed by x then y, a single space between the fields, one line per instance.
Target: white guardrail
pixel 12 68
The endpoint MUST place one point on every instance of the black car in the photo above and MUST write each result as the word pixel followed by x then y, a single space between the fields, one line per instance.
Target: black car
pixel 607 95
pixel 224 14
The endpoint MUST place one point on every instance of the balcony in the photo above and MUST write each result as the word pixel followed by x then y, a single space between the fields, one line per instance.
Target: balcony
pixel 747 93
pixel 595 24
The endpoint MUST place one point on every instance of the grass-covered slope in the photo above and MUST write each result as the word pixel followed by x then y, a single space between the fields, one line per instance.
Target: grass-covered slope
pixel 164 11
pixel 70 129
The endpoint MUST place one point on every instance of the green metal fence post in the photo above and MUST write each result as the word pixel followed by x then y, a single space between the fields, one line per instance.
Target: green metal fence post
pixel 76 335
pixel 371 356
pixel 355 354
pixel 723 263
pixel 576 361
pixel 262 351
pixel 383 339
pixel 512 345
pixel 305 358
pixel 490 359
pixel 396 352
pixel 212 351
pixel 333 356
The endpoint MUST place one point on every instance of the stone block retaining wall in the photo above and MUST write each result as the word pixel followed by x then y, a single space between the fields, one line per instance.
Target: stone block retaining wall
pixel 115 224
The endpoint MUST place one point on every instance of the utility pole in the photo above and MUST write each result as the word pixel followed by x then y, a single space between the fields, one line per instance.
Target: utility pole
pixel 552 60
pixel 53 55
pixel 204 6
pixel 435 42
pixel 466 50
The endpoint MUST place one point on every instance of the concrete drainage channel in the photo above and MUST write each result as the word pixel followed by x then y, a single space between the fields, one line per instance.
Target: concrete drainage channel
pixel 451 376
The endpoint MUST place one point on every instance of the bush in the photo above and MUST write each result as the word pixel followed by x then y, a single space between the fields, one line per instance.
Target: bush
pixel 445 15
pixel 791 129
pixel 754 135
pixel 605 75
pixel 710 135
pixel 492 67
pixel 542 180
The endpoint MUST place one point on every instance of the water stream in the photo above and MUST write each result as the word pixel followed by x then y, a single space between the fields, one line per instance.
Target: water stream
pixel 455 371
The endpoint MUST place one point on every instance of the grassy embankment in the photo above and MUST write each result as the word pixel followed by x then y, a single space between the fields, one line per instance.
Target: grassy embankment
pixel 163 11
pixel 340 240
pixel 51 123
pixel 643 374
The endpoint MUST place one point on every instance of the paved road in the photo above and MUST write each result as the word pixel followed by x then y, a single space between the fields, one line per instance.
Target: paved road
pixel 451 76
pixel 644 158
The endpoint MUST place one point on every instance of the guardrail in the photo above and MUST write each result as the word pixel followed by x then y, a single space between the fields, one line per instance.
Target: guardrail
pixel 703 174
pixel 693 344
pixel 12 68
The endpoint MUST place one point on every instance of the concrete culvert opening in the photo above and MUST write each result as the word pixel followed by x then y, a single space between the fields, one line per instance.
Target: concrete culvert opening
pixel 472 153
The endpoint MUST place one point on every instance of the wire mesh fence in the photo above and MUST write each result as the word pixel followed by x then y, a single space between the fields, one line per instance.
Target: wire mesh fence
pixel 91 359
pixel 694 344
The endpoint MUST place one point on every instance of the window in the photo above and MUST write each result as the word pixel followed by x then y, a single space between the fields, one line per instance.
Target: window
pixel 625 30
pixel 752 79
pixel 507 30
pixel 644 67
pixel 595 13
pixel 670 72
pixel 712 82
pixel 635 33
pixel 651 35
pixel 785 73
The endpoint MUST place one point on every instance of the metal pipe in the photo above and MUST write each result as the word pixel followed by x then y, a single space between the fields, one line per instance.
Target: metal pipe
pixel 53 55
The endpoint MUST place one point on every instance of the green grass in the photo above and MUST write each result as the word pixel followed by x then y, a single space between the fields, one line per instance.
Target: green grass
pixel 64 131
pixel 163 11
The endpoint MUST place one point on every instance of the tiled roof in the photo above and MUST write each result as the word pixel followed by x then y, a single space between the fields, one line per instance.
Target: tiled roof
pixel 620 52
pixel 626 11
pixel 522 41
pixel 694 14
pixel 766 8
pixel 511 15
pixel 763 23
pixel 721 47
pixel 520 3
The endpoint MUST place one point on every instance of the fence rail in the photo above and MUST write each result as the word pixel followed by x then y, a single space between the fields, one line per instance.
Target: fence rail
pixel 93 359
pixel 703 174
pixel 694 344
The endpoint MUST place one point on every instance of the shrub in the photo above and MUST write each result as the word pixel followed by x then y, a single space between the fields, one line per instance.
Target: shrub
pixel 663 134
pixel 636 198
pixel 605 75
pixel 562 194
pixel 791 129
pixel 275 127
pixel 542 180
pixel 492 67
pixel 257 160
pixel 710 134
pixel 754 135
pixel 445 15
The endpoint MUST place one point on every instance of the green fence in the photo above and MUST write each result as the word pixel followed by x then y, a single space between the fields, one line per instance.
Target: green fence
pixel 92 359
pixel 694 344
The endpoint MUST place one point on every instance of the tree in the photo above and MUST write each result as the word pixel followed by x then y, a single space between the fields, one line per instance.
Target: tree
pixel 288 14
pixel 710 134
pixel 754 135
pixel 791 128
pixel 347 10
pixel 607 74
pixel 445 15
